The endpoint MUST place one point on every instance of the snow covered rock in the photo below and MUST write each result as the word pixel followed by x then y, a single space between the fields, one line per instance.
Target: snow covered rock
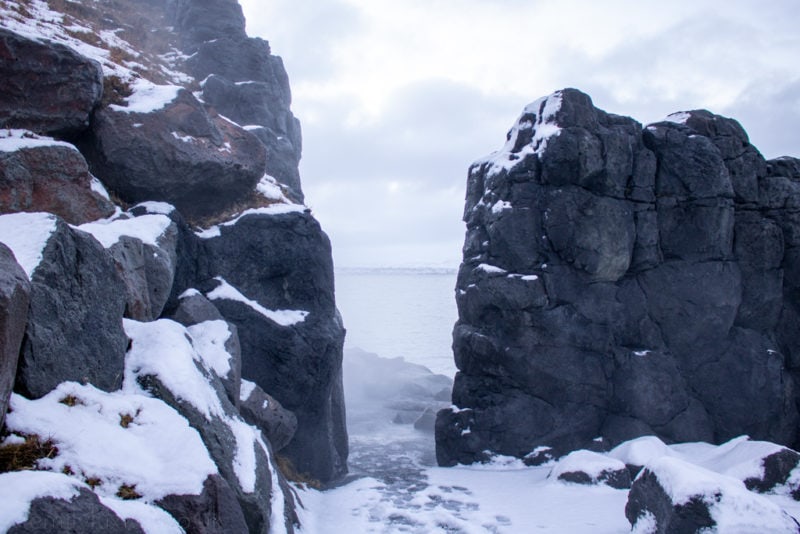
pixel 164 146
pixel 587 467
pixel 144 252
pixel 74 329
pixel 41 174
pixel 83 513
pixel 47 87
pixel 272 276
pixel 265 412
pixel 671 495
pixel 167 361
pixel 15 292
pixel 621 281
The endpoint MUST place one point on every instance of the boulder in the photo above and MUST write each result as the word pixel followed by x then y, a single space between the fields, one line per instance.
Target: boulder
pixel 179 154
pixel 263 411
pixel 145 256
pixel 74 330
pixel 194 308
pixel 39 174
pixel 591 468
pixel 271 275
pixel 621 281
pixel 15 292
pixel 214 511
pixel 671 495
pixel 206 20
pixel 47 87
pixel 82 514
pixel 427 421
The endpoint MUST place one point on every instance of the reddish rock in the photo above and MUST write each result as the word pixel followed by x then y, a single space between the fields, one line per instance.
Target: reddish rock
pixel 53 178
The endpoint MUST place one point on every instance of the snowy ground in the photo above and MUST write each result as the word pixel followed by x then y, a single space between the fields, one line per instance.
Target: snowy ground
pixel 396 487
pixel 401 491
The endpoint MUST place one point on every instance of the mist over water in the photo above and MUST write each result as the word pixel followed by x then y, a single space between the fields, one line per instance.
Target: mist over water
pixel 398 370
pixel 406 313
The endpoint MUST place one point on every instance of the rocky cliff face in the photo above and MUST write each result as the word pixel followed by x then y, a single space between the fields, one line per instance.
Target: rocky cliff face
pixel 621 281
pixel 198 304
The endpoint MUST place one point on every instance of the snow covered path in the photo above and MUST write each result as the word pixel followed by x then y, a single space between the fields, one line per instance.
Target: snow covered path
pixel 399 490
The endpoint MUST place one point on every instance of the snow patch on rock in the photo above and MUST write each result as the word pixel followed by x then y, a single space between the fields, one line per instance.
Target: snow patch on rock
pixel 147 97
pixel 225 291
pixel 119 438
pixel 26 234
pixel 147 228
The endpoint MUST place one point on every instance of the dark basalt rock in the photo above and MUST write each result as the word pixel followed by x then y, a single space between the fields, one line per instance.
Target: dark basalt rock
pixel 74 329
pixel 148 272
pixel 777 468
pixel 283 262
pixel 264 411
pixel 239 59
pixel 620 281
pixel 47 87
pixel 647 498
pixel 263 106
pixel 194 308
pixel 619 479
pixel 178 154
pixel 705 500
pixel 214 511
pixel 52 178
pixel 15 292
pixel 83 514
pixel 198 21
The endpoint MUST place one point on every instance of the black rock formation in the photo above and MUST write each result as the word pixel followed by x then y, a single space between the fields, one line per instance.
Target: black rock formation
pixel 620 281
pixel 46 87
pixel 283 262
pixel 74 330
pixel 15 292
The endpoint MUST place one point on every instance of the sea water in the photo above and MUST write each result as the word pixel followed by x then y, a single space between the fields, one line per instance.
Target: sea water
pixel 406 313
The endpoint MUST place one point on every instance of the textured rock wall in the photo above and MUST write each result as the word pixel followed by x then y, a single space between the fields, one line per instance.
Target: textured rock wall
pixel 620 281
pixel 224 144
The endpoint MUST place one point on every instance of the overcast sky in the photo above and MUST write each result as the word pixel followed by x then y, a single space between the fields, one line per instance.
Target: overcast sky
pixel 398 97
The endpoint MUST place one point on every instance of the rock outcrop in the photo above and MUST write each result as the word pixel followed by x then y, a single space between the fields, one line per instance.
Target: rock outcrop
pixel 620 281
pixel 271 275
pixel 47 87
pixel 204 143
